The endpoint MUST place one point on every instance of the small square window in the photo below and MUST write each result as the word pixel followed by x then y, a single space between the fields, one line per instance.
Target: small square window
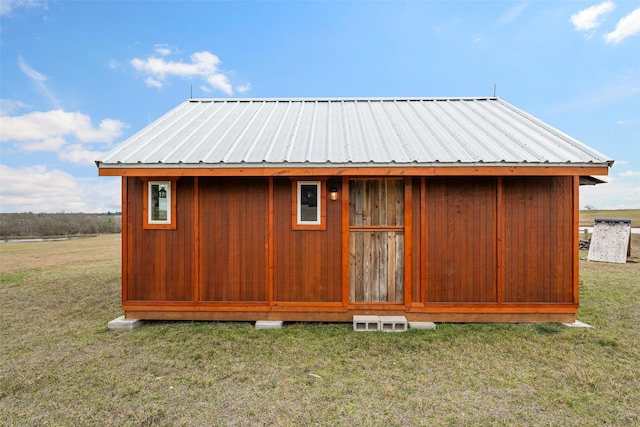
pixel 309 205
pixel 159 205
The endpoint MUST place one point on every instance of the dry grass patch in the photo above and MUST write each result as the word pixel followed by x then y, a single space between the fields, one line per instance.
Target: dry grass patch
pixel 587 217
pixel 61 366
pixel 24 256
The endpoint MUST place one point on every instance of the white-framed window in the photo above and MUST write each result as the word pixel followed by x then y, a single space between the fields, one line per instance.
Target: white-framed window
pixel 309 202
pixel 309 210
pixel 160 204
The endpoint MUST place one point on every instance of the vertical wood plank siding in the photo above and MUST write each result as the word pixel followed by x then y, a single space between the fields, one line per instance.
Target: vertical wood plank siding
pixel 505 240
pixel 233 243
pixel 416 248
pixel 160 261
pixel 461 239
pixel 538 239
pixel 308 263
pixel 376 202
pixel 378 266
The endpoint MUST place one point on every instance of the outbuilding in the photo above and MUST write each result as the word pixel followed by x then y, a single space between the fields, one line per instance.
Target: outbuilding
pixel 437 209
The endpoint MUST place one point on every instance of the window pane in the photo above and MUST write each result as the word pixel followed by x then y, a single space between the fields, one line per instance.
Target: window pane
pixel 159 202
pixel 309 202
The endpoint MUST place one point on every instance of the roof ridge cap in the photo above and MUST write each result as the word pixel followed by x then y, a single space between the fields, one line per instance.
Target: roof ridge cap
pixel 348 99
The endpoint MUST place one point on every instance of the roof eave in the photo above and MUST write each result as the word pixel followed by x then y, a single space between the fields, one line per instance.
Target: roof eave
pixel 352 169
pixel 263 165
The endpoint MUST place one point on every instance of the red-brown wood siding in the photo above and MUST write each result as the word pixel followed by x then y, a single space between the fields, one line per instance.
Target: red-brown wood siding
pixel 482 249
pixel 461 239
pixel 538 239
pixel 307 263
pixel 234 215
pixel 160 261
pixel 416 248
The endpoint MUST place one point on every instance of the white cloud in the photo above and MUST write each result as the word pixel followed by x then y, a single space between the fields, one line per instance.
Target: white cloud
pixel 203 65
pixel 621 191
pixel 40 126
pixel 8 6
pixel 626 27
pixel 244 88
pixel 38 189
pixel 590 18
pixel 77 153
pixel 151 82
pixel 107 131
pixel 220 81
pixel 30 72
pixel 39 80
pixel 9 106
pixel 622 87
pixel 513 13
pixel 71 135
pixel 165 49
pixel 611 196
pixel 47 144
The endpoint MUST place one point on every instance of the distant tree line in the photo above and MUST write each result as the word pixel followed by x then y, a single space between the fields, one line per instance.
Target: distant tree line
pixel 25 225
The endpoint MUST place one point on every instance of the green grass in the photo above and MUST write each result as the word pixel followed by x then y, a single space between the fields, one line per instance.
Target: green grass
pixel 10 277
pixel 60 365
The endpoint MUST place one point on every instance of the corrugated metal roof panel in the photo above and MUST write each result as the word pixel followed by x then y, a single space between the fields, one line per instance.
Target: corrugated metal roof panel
pixel 376 131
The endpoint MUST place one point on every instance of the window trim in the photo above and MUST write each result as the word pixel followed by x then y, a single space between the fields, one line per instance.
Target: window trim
pixel 296 221
pixel 170 222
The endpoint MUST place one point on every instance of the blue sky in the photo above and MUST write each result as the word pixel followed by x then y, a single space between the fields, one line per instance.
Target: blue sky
pixel 77 77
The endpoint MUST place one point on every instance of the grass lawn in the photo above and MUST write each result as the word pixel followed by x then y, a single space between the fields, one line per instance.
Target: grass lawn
pixel 60 365
pixel 587 217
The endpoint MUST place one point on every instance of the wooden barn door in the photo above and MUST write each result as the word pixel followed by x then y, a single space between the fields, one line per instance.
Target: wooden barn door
pixel 376 240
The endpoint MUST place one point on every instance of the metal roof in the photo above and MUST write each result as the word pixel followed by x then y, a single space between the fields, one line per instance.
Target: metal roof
pixel 348 132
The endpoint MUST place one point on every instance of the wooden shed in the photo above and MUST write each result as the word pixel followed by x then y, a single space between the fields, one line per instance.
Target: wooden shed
pixel 437 209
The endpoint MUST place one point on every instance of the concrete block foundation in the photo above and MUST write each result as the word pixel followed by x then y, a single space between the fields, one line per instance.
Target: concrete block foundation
pixel 122 324
pixel 577 324
pixel 366 323
pixel 268 324
pixel 422 325
pixel 393 324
